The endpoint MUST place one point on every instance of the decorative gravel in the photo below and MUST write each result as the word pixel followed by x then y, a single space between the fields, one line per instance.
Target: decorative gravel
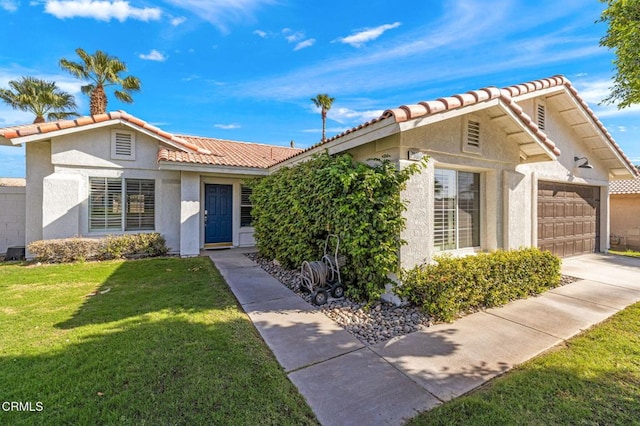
pixel 377 323
pixel 373 324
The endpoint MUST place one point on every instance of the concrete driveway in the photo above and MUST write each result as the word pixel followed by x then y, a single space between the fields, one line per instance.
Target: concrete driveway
pixel 346 382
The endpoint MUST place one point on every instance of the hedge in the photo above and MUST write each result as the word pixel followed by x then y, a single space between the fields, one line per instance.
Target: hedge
pixel 295 208
pixel 452 286
pixel 111 247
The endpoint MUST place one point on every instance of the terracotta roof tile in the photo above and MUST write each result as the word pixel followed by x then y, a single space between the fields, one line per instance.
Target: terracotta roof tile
pixel 44 128
pixel 627 186
pixel 229 153
pixel 506 95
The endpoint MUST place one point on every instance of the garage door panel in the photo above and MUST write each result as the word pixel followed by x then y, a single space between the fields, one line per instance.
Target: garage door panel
pixel 568 218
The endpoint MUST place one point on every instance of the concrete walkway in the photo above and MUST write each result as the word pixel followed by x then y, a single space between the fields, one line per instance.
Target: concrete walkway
pixel 346 382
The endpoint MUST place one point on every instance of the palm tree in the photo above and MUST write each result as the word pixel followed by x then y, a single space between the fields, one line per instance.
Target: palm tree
pixel 324 102
pixel 43 98
pixel 102 70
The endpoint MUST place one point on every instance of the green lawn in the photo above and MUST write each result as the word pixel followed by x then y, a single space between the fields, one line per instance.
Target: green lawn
pixel 629 253
pixel 167 344
pixel 593 380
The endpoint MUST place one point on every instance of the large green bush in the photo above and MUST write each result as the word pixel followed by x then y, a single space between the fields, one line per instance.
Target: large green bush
pixel 453 285
pixel 112 247
pixel 295 208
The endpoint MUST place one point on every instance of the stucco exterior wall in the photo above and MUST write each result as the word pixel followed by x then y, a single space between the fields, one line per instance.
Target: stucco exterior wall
pixel 38 165
pixel 566 170
pixel 58 175
pixel 625 221
pixel 12 216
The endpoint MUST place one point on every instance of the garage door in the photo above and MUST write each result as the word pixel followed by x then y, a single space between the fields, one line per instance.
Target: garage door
pixel 568 218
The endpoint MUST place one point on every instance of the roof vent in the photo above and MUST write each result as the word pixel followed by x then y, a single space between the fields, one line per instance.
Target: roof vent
pixel 541 116
pixel 473 133
pixel 122 145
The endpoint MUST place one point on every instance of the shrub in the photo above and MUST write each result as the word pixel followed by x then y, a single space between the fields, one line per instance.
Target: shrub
pixel 295 209
pixel 67 250
pixel 452 286
pixel 111 247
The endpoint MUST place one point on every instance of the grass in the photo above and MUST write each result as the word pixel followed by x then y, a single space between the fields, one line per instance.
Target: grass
pixel 167 344
pixel 593 380
pixel 629 253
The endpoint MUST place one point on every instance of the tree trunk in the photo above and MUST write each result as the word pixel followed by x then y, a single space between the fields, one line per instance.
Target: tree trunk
pixel 39 120
pixel 324 124
pixel 98 102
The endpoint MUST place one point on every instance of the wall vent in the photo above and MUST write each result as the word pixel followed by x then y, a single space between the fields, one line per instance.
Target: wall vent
pixel 473 133
pixel 122 145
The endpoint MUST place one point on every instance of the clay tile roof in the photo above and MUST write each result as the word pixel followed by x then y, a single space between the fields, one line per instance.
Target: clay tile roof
pixel 44 128
pixel 506 95
pixel 229 153
pixel 627 186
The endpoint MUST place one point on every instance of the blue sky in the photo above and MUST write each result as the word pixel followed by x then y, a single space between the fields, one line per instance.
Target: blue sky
pixel 246 69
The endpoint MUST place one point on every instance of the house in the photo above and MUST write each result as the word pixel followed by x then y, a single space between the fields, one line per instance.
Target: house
pixel 625 214
pixel 527 165
pixel 114 173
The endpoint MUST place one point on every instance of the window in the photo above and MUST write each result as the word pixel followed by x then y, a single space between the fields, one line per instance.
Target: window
pixel 123 145
pixel 106 212
pixel 140 205
pixel 457 210
pixel 246 218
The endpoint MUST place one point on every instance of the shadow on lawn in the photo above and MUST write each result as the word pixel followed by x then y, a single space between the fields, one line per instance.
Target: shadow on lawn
pixel 169 371
pixel 145 286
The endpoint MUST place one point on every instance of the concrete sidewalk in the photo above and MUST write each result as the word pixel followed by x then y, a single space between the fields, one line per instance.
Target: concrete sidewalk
pixel 346 382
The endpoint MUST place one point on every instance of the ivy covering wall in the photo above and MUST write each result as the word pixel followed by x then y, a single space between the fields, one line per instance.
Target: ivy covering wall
pixel 295 209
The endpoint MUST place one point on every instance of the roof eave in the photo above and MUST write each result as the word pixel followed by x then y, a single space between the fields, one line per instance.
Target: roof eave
pixel 359 137
pixel 212 168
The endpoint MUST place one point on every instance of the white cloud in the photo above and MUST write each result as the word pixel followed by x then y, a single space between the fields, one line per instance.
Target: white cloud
pixel 622 129
pixel 260 33
pixel 342 115
pixel 100 10
pixel 221 13
pixel 360 38
pixel 304 44
pixel 292 36
pixel 154 55
pixel 9 5
pixel 330 130
pixel 594 91
pixel 227 126
pixel 178 21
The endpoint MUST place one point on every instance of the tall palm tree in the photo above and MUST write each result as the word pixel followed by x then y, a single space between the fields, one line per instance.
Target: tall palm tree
pixel 324 102
pixel 43 98
pixel 103 71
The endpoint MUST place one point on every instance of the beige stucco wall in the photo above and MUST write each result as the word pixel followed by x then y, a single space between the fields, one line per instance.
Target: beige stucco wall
pixel 58 173
pixel 508 187
pixel 625 221
pixel 12 216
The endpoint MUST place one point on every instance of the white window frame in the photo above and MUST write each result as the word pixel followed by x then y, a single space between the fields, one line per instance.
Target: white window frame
pixel 457 248
pixel 123 206
pixel 245 205
pixel 114 137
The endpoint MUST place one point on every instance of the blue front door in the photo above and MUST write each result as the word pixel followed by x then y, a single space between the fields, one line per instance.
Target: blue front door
pixel 218 205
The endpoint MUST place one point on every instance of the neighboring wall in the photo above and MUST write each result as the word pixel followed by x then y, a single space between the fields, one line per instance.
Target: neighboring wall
pixel 12 213
pixel 625 221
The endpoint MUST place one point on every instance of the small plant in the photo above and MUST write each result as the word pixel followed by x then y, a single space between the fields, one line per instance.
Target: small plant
pixel 112 247
pixel 454 285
